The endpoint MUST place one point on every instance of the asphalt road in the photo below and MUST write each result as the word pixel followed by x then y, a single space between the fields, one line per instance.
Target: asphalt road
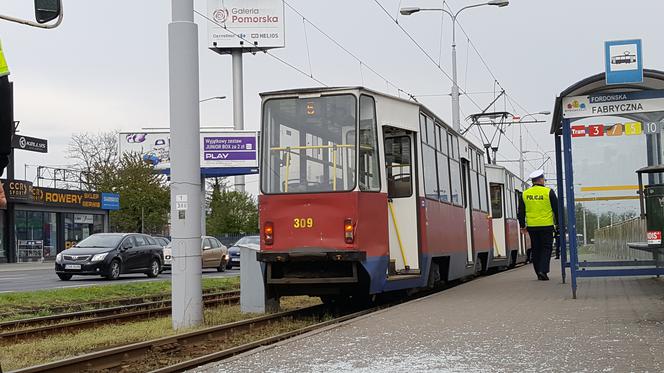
pixel 45 278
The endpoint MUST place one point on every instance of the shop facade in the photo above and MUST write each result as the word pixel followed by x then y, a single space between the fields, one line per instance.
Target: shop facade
pixel 41 222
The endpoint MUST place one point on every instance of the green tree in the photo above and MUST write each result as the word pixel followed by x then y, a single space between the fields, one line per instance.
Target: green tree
pixel 144 195
pixel 231 212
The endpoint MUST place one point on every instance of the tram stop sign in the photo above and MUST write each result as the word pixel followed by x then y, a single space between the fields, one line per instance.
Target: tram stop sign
pixel 623 61
pixel 32 144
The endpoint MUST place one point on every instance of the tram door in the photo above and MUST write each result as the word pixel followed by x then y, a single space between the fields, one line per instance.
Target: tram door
pixel 467 205
pixel 402 201
pixel 523 244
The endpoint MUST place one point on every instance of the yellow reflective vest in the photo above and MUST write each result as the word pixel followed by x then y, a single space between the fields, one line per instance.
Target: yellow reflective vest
pixel 4 69
pixel 538 206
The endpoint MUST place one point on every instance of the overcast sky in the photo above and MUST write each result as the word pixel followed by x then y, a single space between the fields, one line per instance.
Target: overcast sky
pixel 106 66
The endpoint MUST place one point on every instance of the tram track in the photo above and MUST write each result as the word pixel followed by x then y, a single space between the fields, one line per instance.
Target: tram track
pixel 39 326
pixel 162 354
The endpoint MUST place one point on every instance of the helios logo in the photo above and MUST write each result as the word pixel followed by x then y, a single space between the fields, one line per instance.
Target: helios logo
pixel 220 15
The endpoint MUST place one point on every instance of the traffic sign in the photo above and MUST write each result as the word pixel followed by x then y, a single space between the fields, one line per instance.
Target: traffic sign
pixel 623 61
pixel 32 144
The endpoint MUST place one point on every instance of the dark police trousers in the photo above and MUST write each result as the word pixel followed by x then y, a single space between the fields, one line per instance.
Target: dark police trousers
pixel 541 240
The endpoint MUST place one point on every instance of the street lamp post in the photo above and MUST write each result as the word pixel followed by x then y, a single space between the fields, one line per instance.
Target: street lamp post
pixel 456 123
pixel 546 112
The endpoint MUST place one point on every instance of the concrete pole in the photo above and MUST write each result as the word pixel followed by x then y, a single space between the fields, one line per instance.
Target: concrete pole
pixel 185 165
pixel 238 104
pixel 456 122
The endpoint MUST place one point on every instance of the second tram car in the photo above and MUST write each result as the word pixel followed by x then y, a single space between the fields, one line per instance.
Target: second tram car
pixel 364 193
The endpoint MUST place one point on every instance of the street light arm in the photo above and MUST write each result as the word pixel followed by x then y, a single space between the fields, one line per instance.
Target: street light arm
pixel 467 7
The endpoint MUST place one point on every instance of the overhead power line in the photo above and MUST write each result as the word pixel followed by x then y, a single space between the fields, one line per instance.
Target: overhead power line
pixel 353 55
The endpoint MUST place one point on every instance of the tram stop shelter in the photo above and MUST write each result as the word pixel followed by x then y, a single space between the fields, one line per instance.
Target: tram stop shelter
pixel 604 134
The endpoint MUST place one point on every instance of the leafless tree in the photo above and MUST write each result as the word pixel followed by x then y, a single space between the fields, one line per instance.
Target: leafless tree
pixel 94 154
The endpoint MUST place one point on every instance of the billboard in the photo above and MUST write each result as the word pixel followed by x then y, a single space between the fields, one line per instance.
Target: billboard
pixel 245 24
pixel 221 153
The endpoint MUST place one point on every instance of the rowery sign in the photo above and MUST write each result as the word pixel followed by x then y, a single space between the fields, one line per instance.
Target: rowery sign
pixel 245 24
pixel 613 104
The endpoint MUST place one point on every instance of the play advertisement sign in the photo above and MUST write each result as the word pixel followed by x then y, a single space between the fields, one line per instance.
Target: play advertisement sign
pixel 229 148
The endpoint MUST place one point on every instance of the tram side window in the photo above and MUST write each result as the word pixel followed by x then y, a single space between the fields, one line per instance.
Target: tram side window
pixel 431 132
pixel 496 201
pixel 369 175
pixel 423 128
pixel 443 178
pixel 450 145
pixel 455 176
pixel 429 165
pixel 398 165
pixel 443 140
pixel 474 190
pixel 483 191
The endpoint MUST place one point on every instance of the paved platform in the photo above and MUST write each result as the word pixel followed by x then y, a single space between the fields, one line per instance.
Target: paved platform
pixel 507 322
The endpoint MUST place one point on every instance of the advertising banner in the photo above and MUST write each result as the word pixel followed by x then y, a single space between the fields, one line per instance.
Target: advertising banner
pixel 231 150
pixel 21 191
pixel 245 24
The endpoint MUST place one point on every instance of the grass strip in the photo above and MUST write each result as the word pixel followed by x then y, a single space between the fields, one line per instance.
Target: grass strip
pixel 11 304
pixel 15 355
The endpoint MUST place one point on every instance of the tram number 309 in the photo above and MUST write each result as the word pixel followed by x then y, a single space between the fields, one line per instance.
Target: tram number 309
pixel 303 223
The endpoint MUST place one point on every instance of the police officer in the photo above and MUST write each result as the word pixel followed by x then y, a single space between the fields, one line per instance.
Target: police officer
pixel 538 214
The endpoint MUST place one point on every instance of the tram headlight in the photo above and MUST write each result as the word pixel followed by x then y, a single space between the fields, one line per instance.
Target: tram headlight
pixel 268 233
pixel 349 228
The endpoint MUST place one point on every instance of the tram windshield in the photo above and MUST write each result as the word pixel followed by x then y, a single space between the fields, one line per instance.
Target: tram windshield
pixel 309 144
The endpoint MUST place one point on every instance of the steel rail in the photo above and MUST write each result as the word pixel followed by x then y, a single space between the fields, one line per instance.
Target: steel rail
pixel 221 355
pixel 122 355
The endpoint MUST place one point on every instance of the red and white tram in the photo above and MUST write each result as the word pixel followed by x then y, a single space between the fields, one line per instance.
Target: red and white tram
pixel 364 193
pixel 509 245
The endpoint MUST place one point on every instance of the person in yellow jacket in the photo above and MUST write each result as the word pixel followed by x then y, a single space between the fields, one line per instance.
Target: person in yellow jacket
pixel 6 121
pixel 538 216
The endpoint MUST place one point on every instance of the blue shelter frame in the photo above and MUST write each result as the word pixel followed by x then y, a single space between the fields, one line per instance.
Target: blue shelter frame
pixel 653 80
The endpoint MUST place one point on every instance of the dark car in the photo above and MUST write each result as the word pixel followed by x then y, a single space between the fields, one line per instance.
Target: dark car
pixel 234 251
pixel 109 255
pixel 162 241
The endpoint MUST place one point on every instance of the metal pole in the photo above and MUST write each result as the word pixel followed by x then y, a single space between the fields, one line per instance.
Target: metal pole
pixel 185 166
pixel 561 207
pixel 203 206
pixel 520 153
pixel 142 218
pixel 238 105
pixel 571 213
pixel 456 122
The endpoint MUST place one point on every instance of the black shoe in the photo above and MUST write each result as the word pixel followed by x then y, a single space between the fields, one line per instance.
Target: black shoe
pixel 545 277
pixel 541 276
